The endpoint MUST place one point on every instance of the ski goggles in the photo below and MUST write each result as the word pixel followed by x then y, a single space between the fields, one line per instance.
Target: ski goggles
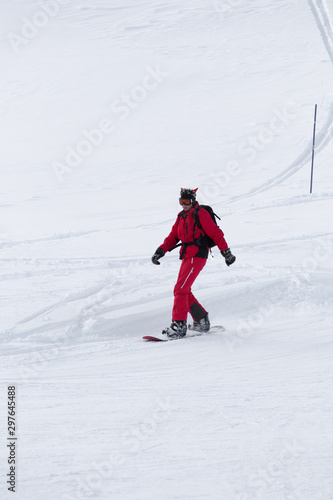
pixel 182 201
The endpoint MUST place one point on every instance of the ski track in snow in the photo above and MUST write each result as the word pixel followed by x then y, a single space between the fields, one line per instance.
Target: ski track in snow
pixel 55 237
pixel 90 307
pixel 323 139
pixel 324 23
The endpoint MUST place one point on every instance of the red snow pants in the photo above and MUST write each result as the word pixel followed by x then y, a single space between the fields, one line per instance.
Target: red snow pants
pixel 184 300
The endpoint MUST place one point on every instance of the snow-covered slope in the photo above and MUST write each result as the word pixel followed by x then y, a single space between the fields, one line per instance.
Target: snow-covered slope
pixel 107 109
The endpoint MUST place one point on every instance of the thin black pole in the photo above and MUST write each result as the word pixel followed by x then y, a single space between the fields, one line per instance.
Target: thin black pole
pixel 313 145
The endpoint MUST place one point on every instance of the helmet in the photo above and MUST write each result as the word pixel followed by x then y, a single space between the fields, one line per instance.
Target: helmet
pixel 188 194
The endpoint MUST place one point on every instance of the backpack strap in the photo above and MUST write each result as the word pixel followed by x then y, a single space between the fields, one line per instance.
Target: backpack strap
pixel 202 240
pixel 197 218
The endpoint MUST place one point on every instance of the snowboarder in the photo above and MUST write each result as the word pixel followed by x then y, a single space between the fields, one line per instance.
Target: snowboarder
pixel 193 254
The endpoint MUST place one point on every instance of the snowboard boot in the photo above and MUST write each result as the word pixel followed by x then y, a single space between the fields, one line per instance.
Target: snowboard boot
pixel 177 330
pixel 203 325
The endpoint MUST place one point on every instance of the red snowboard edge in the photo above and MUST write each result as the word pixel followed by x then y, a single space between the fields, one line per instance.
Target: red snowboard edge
pixel 153 339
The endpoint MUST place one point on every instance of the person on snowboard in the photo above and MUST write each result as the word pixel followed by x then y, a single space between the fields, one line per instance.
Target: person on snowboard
pixel 193 254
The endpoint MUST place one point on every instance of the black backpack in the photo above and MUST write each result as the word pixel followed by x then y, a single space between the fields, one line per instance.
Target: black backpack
pixel 210 243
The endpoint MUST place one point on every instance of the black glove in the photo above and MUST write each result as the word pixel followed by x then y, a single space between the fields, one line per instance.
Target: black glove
pixel 157 256
pixel 229 258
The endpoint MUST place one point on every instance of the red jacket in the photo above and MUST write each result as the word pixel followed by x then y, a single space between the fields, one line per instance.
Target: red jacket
pixel 183 230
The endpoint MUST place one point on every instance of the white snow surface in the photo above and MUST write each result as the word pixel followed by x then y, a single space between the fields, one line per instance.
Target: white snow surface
pixel 108 107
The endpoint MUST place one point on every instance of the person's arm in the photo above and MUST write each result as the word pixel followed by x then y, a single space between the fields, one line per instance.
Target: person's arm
pixel 170 241
pixel 211 229
pixel 217 235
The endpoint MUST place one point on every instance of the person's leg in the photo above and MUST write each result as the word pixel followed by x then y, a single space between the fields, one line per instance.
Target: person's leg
pixel 188 272
pixel 196 310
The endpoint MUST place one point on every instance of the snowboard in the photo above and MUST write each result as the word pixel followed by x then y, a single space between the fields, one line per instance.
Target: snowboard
pixel 190 333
